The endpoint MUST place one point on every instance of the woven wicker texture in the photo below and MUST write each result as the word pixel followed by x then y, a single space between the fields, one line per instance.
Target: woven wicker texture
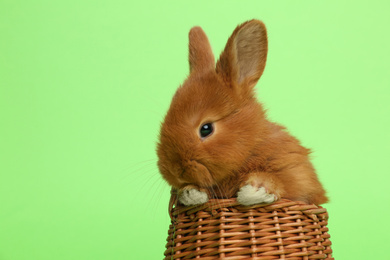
pixel 223 229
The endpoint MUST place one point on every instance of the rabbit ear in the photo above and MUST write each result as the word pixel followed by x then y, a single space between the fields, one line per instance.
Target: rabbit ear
pixel 201 56
pixel 243 60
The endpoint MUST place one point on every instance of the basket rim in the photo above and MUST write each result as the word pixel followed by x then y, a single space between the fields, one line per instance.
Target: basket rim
pixel 313 211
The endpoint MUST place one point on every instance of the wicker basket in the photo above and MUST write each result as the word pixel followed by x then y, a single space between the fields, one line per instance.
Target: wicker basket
pixel 223 229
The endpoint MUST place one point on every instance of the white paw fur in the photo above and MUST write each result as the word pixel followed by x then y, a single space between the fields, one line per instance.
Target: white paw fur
pixel 249 195
pixel 193 197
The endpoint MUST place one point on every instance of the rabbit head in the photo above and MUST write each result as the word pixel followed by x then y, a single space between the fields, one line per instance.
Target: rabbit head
pixel 214 120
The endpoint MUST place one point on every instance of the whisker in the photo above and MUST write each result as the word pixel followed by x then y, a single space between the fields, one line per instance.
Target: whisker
pixel 149 178
pixel 160 194
pixel 216 201
pixel 152 188
pixel 222 192
pixel 146 173
pixel 137 171
pixel 136 164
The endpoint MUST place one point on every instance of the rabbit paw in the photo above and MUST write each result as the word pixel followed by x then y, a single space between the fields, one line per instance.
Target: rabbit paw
pixel 191 197
pixel 249 195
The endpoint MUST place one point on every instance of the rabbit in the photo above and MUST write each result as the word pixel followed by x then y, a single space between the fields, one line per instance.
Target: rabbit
pixel 215 140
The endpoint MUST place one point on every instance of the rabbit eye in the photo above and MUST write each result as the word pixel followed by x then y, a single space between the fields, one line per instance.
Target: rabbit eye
pixel 206 130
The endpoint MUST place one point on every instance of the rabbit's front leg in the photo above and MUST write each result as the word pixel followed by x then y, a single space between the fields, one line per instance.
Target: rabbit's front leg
pixel 260 187
pixel 191 195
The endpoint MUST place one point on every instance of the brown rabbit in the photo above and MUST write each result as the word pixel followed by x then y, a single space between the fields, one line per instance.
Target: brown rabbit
pixel 216 142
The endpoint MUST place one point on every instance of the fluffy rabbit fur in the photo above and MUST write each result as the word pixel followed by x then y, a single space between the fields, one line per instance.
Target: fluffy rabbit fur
pixel 246 156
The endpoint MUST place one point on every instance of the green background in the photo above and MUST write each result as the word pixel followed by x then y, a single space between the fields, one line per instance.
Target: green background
pixel 85 84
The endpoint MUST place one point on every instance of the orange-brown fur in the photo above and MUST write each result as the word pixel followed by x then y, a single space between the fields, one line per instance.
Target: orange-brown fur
pixel 245 147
